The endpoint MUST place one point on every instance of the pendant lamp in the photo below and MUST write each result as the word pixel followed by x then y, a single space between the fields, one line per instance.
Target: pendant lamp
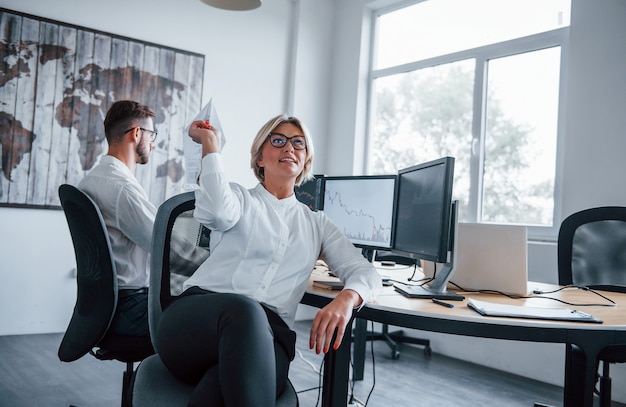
pixel 237 5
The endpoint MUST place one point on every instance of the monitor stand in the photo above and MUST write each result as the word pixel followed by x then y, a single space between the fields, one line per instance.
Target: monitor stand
pixel 437 288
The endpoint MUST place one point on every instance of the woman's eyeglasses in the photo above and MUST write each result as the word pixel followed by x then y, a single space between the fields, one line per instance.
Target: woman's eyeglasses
pixel 279 140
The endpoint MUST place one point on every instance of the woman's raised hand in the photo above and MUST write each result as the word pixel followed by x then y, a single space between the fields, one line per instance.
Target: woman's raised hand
pixel 203 133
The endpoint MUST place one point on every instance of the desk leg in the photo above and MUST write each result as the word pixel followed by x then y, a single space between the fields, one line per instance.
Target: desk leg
pixel 590 376
pixel 574 389
pixel 336 374
pixel 360 344
pixel 580 371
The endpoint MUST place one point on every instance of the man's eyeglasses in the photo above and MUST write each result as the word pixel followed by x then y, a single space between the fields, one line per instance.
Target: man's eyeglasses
pixel 279 140
pixel 153 134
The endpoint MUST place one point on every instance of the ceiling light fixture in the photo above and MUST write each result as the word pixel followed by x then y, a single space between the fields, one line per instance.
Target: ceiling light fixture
pixel 237 5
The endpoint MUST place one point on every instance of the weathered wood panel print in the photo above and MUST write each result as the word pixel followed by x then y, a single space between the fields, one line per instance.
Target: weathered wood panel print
pixel 56 84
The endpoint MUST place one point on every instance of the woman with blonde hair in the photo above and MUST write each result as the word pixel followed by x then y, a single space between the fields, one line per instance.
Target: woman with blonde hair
pixel 230 333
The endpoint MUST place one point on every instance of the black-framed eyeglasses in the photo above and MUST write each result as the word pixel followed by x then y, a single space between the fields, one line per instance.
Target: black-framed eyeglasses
pixel 279 140
pixel 153 133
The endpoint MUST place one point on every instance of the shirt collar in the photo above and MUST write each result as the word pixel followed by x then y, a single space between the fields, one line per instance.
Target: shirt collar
pixel 117 163
pixel 290 201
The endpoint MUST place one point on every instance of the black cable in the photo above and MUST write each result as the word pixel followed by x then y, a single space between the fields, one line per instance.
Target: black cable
pixel 414 271
pixel 353 398
pixel 538 294
pixel 352 382
pixel 399 282
pixel 319 382
pixel 427 280
pixel 373 369
pixel 422 281
pixel 309 389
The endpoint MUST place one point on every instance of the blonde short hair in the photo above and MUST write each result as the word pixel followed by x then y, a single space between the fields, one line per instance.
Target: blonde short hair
pixel 261 137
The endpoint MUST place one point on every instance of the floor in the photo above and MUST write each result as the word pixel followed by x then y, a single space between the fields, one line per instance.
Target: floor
pixel 31 375
pixel 415 380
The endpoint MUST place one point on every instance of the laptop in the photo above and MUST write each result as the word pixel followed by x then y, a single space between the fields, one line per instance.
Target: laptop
pixel 490 257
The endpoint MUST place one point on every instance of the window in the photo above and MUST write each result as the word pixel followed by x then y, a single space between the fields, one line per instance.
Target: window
pixel 480 81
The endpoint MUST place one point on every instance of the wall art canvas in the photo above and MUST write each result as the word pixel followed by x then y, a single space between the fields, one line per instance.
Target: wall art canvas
pixel 57 82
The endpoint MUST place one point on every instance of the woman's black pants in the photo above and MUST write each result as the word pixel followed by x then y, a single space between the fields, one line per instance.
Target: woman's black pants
pixel 235 350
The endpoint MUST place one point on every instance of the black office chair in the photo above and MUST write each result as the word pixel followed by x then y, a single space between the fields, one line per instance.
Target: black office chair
pixel 96 299
pixel 154 385
pixel 592 253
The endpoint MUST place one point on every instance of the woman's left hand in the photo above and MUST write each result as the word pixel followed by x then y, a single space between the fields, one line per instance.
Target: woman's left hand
pixel 333 317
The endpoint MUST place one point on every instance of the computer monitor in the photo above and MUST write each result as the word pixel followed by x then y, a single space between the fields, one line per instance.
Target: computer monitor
pixel 363 208
pixel 311 192
pixel 426 223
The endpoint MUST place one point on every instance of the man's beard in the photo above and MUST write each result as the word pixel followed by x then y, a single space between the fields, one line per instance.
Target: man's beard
pixel 143 151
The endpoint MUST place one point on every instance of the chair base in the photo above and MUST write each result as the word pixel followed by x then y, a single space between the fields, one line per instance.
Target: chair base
pixel 361 335
pixel 393 338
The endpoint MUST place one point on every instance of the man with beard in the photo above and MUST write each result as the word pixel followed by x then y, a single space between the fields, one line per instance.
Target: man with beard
pixel 127 212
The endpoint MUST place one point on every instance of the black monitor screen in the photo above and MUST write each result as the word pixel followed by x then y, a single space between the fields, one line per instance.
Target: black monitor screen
pixel 311 192
pixel 423 210
pixel 362 207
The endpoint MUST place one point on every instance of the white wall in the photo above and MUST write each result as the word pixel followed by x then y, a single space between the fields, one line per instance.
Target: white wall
pixel 247 66
pixel 37 267
pixel 596 100
pixel 251 76
pixel 313 71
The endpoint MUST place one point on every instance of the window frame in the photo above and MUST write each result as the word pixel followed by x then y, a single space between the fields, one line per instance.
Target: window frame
pixel 555 38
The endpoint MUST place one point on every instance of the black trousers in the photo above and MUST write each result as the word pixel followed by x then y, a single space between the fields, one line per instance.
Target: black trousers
pixel 131 313
pixel 233 349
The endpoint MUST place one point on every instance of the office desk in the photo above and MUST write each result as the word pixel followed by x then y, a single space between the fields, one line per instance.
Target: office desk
pixel 397 310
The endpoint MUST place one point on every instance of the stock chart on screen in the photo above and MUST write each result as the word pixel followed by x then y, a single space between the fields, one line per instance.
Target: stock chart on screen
pixel 362 207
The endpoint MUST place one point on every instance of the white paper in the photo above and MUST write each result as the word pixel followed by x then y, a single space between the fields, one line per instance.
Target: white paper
pixel 193 151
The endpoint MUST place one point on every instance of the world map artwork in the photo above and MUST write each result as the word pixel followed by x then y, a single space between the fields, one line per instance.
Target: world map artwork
pixel 57 82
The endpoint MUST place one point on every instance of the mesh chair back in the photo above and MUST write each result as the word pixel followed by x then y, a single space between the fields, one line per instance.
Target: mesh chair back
pixel 96 275
pixel 592 249
pixel 179 246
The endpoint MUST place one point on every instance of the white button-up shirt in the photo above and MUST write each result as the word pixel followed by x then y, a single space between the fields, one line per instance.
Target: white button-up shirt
pixel 266 248
pixel 129 217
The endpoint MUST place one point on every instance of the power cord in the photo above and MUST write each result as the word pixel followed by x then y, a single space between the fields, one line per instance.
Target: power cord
pixel 319 374
pixel 539 294
pixel 308 362
pixel 373 369
pixel 353 400
pixel 414 271
pixel 319 383
pixel 424 280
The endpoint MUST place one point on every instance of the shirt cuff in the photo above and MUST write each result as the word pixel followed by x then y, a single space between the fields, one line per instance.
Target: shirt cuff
pixel 361 290
pixel 212 163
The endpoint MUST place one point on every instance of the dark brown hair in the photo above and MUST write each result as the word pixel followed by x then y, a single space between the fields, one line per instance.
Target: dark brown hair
pixel 123 115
